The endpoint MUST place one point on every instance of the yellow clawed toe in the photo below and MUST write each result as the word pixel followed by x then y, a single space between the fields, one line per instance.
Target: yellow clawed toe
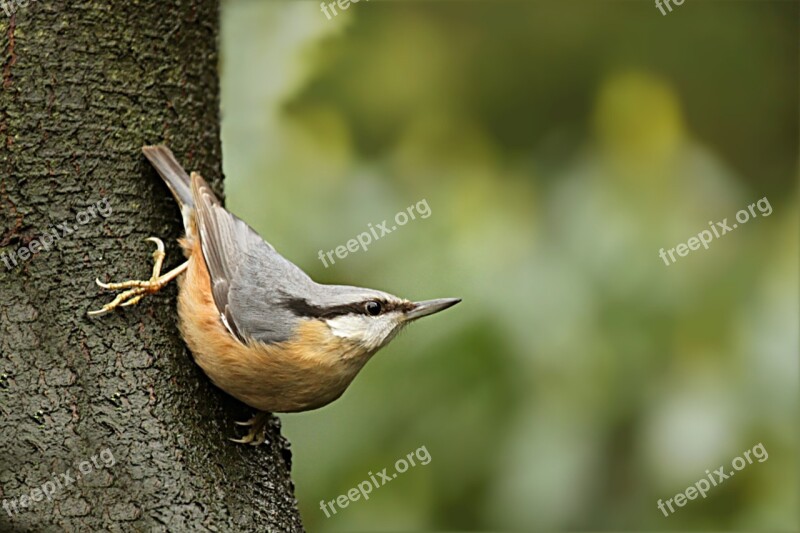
pixel 258 430
pixel 135 290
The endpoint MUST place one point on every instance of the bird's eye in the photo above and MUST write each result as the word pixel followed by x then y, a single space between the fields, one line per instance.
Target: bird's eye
pixel 373 308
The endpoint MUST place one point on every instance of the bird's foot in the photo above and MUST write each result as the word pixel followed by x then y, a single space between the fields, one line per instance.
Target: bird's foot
pixel 258 430
pixel 135 290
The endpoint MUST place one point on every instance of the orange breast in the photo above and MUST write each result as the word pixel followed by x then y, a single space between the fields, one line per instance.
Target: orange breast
pixel 309 371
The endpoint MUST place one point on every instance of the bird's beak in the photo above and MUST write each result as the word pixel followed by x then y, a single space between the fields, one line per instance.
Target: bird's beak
pixel 429 307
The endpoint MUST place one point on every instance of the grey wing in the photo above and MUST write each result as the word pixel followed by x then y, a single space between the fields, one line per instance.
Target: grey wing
pixel 249 279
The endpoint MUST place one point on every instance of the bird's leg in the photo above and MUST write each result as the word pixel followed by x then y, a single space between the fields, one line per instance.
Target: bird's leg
pixel 135 290
pixel 258 430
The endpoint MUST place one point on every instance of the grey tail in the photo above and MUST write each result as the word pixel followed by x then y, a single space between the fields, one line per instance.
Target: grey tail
pixel 171 172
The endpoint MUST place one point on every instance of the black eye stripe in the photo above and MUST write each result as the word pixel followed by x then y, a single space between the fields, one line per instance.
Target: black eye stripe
pixel 388 307
pixel 301 307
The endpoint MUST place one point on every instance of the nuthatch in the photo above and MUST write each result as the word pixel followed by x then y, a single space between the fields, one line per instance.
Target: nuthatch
pixel 258 326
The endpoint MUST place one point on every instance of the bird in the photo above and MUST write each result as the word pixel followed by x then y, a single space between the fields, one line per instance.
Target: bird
pixel 257 325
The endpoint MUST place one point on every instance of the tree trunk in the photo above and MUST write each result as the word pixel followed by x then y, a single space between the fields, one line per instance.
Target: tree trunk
pixel 85 85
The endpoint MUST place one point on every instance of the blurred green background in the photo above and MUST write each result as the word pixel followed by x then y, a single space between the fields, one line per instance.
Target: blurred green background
pixel 559 145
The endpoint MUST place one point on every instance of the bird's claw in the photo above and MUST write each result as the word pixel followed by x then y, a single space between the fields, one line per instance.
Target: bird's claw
pixel 135 290
pixel 247 423
pixel 258 430
pixel 253 438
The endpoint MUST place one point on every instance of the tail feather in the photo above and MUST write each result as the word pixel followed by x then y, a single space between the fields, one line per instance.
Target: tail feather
pixel 173 174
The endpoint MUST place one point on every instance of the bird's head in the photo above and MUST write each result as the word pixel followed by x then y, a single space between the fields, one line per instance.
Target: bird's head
pixel 365 318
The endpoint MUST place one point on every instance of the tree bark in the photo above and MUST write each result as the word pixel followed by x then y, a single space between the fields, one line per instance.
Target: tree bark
pixel 84 86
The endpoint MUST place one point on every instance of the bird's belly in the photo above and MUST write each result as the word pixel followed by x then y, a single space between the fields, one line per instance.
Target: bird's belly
pixel 284 377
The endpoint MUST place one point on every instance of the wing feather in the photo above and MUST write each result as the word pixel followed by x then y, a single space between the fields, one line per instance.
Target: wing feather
pixel 250 281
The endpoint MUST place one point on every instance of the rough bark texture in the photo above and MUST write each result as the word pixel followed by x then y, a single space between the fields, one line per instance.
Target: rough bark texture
pixel 84 86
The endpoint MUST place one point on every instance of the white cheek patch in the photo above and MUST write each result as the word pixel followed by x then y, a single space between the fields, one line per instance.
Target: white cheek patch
pixel 347 326
pixel 372 332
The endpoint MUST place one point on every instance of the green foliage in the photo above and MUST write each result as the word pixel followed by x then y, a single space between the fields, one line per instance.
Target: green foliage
pixel 560 146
